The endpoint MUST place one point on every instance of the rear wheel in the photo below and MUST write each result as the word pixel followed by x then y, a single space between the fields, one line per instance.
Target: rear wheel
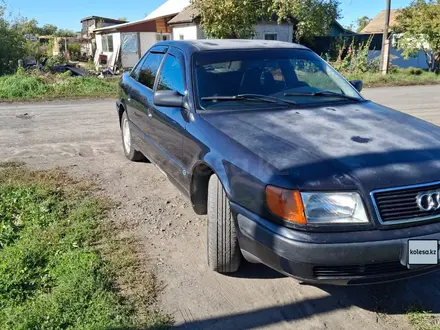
pixel 127 141
pixel 224 254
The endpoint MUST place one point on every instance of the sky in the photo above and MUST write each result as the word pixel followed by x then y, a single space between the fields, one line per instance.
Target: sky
pixel 68 14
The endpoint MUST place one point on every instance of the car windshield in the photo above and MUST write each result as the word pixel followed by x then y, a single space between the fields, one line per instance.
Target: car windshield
pixel 296 76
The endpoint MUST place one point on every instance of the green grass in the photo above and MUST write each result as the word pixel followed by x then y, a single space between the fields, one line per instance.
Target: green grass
pixel 422 320
pixel 61 267
pixel 407 77
pixel 38 86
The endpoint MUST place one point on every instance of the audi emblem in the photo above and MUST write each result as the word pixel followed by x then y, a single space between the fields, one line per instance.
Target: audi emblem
pixel 429 201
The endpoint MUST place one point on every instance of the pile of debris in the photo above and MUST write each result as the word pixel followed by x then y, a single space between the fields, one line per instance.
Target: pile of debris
pixel 32 64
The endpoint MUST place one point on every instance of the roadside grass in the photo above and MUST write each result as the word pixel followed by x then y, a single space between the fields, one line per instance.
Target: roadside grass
pixel 422 320
pixel 23 86
pixel 61 264
pixel 400 77
pixel 34 86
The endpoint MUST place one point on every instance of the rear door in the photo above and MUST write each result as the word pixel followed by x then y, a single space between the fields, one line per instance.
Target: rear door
pixel 169 123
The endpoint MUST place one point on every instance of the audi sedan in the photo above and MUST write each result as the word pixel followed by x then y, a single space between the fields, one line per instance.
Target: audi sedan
pixel 293 167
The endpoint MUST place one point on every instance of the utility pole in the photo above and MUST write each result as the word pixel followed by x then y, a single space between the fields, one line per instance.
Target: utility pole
pixel 385 55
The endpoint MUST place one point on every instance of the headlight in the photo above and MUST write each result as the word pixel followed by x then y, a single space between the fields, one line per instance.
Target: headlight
pixel 316 208
pixel 328 208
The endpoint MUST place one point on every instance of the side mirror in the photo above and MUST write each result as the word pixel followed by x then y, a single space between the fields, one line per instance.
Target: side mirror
pixel 358 84
pixel 170 99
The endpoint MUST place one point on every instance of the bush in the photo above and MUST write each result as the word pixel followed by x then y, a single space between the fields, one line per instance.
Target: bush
pixel 74 50
pixel 55 60
pixel 354 58
pixel 12 46
pixel 410 71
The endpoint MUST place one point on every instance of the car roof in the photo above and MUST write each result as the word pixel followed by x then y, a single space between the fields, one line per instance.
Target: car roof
pixel 192 46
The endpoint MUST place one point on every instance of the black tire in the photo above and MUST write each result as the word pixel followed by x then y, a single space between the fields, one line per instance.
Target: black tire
pixel 129 149
pixel 224 254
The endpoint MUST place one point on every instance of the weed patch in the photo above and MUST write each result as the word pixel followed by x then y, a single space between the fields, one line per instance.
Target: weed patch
pixel 39 86
pixel 407 77
pixel 58 267
pixel 422 320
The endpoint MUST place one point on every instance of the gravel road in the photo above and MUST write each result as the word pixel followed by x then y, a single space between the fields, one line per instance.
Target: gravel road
pixel 83 137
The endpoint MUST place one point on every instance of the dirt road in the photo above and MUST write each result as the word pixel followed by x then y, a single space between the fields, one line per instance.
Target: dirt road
pixel 83 137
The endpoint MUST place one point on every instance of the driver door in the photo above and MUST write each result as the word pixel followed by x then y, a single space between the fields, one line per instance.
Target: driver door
pixel 169 124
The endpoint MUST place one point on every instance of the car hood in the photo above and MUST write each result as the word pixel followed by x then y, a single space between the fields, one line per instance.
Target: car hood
pixel 351 146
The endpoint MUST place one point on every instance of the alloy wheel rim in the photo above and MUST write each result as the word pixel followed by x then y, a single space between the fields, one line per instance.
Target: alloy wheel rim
pixel 126 135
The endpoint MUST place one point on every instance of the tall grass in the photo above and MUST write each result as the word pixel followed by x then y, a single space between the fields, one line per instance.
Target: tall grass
pixel 399 77
pixel 38 86
pixel 58 268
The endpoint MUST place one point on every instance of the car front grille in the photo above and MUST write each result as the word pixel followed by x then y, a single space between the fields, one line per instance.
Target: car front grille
pixel 400 205
pixel 358 270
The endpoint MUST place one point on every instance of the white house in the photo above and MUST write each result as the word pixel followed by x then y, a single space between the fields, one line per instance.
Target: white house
pixel 126 43
pixel 186 26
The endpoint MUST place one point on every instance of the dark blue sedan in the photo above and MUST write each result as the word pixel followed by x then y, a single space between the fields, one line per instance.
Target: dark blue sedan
pixel 294 168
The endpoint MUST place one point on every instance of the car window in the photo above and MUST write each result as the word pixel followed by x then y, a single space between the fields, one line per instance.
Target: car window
pixel 293 75
pixel 254 76
pixel 171 76
pixel 308 72
pixel 149 69
pixel 135 72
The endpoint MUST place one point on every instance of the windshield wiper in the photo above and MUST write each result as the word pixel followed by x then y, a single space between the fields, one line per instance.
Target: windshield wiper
pixel 248 97
pixel 324 94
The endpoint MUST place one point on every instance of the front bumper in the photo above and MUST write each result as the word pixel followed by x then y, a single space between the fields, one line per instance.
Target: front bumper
pixel 325 257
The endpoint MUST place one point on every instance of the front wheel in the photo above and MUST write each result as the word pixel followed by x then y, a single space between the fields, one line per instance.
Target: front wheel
pixel 224 254
pixel 127 141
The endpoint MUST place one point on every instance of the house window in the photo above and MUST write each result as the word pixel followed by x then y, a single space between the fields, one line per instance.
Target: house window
pixel 270 36
pixel 162 37
pixel 181 37
pixel 107 43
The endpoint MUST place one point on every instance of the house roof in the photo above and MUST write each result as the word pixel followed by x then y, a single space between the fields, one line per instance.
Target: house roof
pixel 187 15
pixel 377 24
pixel 117 27
pixel 339 26
pixel 170 7
pixel 105 19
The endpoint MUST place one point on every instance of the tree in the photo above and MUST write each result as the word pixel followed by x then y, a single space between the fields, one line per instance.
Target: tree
pixel 235 19
pixel 229 19
pixel 48 30
pixel 418 30
pixel 312 17
pixel 26 26
pixel 12 45
pixel 123 19
pixel 65 33
pixel 362 22
pixel 350 27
